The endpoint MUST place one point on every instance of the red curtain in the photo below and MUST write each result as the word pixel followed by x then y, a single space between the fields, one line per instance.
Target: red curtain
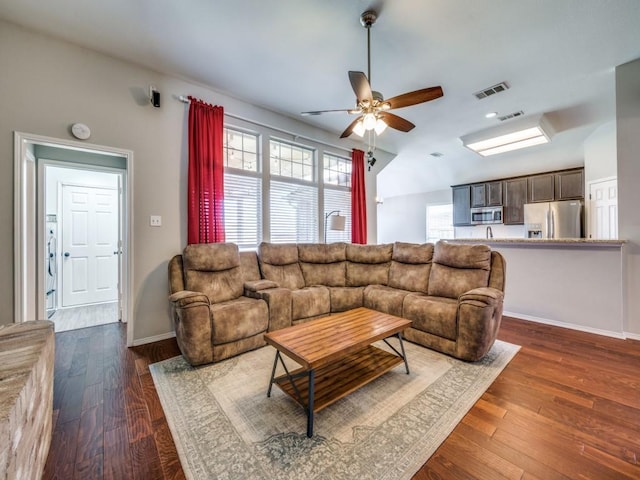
pixel 205 216
pixel 358 199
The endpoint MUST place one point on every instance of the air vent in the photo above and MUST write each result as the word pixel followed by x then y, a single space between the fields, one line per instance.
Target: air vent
pixel 487 92
pixel 511 115
pixel 436 154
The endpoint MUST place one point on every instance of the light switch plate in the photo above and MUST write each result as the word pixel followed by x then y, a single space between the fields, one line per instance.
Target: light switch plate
pixel 155 220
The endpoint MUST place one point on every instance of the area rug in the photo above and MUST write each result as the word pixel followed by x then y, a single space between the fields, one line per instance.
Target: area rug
pixel 225 427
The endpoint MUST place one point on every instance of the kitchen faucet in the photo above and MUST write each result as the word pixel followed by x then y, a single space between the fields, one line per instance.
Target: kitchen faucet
pixel 489 232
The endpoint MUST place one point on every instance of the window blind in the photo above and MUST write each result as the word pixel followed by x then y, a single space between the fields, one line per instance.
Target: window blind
pixel 293 212
pixel 243 210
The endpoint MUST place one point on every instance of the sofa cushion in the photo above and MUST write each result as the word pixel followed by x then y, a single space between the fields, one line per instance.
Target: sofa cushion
pixel 411 266
pixel 458 268
pixel 368 264
pixel 384 299
pixel 435 315
pixel 322 264
pixel 213 269
pixel 238 319
pixel 310 302
pixel 321 252
pixel 346 298
pixel 412 253
pixel 279 263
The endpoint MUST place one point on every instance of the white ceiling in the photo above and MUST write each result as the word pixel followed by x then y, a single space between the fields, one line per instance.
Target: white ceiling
pixel 558 56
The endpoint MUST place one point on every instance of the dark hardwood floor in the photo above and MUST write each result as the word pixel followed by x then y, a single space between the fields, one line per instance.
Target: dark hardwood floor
pixel 566 407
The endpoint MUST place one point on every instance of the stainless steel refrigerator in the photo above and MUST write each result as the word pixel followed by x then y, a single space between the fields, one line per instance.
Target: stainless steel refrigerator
pixel 553 219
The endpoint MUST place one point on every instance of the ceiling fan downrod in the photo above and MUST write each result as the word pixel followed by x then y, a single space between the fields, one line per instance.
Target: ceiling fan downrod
pixel 367 19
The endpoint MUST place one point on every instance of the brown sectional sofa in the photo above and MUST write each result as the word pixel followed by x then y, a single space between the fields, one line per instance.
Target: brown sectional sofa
pixel 225 300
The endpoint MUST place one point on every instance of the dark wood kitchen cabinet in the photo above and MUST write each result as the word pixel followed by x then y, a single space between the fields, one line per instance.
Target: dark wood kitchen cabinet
pixel 542 188
pixel 570 185
pixel 515 196
pixel 479 195
pixel 494 194
pixel 487 194
pixel 461 205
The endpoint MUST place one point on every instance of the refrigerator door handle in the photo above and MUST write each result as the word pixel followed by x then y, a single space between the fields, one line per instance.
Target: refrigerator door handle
pixel 552 230
pixel 547 224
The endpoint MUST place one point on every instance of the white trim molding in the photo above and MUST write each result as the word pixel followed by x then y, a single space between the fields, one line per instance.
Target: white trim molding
pixel 25 224
pixel 572 326
pixel 154 338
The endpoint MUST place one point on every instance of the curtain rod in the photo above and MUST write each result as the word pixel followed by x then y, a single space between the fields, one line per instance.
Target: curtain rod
pixel 295 136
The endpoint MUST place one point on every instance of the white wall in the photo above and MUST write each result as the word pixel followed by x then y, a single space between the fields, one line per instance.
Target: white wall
pixel 628 147
pixel 109 95
pixel 404 218
pixel 578 287
pixel 600 153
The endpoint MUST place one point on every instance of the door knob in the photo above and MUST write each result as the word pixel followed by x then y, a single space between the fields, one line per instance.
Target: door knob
pixel 66 254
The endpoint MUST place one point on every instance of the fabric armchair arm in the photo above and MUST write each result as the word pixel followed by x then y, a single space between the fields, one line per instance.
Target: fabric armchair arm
pixel 479 316
pixel 192 323
pixel 257 286
pixel 185 298
pixel 279 303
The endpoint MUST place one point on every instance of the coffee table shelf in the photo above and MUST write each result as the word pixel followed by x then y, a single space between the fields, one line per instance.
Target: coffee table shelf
pixel 341 378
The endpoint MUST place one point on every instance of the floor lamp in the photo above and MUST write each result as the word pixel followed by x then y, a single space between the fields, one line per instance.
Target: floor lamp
pixel 337 222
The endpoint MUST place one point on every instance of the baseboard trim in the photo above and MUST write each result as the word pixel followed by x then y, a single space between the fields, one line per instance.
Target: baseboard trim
pixel 571 326
pixel 155 338
pixel 632 336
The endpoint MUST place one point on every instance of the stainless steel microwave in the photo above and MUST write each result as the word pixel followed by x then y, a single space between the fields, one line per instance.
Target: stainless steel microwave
pixel 486 215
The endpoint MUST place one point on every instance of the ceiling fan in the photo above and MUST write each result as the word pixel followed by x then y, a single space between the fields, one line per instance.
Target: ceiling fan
pixel 372 108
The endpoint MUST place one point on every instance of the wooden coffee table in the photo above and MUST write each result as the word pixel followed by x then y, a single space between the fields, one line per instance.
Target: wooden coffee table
pixel 336 356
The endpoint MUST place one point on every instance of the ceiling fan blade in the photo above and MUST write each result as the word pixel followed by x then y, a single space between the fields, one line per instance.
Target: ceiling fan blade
pixel 320 112
pixel 397 122
pixel 413 98
pixel 360 86
pixel 349 130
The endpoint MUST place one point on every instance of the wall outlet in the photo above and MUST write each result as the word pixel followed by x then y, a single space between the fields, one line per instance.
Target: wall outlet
pixel 155 220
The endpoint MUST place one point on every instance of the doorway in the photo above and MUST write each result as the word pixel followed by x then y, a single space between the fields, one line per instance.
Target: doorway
pixel 35 239
pixel 81 207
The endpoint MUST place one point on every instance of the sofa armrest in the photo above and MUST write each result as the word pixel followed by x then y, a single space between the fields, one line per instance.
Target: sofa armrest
pixel 259 285
pixel 486 295
pixel 185 298
pixel 279 304
pixel 192 323
pixel 479 317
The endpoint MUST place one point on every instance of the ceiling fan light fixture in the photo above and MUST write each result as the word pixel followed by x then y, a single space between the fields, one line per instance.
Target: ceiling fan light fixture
pixel 359 129
pixel 380 126
pixel 385 106
pixel 369 121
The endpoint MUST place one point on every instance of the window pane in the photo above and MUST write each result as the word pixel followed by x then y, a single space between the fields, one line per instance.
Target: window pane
pixel 292 161
pixel 439 222
pixel 240 150
pixel 337 170
pixel 294 213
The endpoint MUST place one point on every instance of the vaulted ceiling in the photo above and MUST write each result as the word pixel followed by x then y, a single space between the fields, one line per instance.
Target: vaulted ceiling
pixel 557 56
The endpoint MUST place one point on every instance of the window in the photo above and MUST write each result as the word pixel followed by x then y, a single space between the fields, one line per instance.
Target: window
pixel 337 170
pixel 439 222
pixel 337 195
pixel 293 194
pixel 289 160
pixel 242 189
pixel 240 150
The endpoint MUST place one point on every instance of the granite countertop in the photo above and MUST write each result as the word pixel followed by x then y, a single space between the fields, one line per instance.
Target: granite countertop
pixel 543 241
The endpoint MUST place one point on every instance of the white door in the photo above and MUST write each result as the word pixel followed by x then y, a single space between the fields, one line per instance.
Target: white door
pixel 89 245
pixel 603 203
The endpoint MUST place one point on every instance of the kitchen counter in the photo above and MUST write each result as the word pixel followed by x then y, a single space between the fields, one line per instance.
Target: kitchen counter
pixel 559 242
pixel 569 282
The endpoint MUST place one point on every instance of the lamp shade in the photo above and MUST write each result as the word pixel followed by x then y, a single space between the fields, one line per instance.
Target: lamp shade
pixel 337 222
